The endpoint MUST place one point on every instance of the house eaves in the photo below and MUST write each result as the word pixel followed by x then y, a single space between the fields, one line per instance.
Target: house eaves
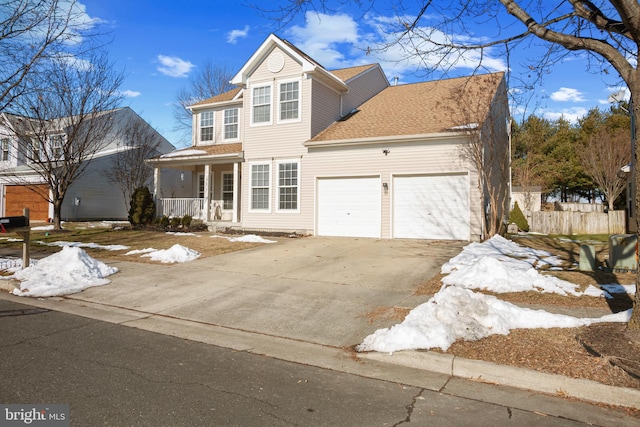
pixel 439 136
pixel 215 154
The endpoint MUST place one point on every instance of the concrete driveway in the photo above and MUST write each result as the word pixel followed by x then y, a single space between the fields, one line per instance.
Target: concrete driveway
pixel 315 289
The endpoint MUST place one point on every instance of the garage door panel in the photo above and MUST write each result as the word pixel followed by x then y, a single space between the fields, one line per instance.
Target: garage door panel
pixel 349 207
pixel 18 197
pixel 431 207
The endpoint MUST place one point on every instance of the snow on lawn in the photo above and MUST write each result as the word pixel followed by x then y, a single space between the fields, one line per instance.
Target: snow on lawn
pixel 63 243
pixel 66 272
pixel 249 238
pixel 176 253
pixel 456 312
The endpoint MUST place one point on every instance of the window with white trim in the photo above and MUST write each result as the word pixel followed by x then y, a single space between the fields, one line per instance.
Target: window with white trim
pixel 289 100
pixel 261 104
pixel 231 123
pixel 227 191
pixel 5 143
pixel 288 186
pixel 206 126
pixel 35 151
pixel 56 143
pixel 260 177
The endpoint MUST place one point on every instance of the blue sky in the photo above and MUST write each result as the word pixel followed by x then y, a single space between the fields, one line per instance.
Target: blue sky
pixel 160 43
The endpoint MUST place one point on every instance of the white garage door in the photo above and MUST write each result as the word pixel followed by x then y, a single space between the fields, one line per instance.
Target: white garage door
pixel 431 207
pixel 349 207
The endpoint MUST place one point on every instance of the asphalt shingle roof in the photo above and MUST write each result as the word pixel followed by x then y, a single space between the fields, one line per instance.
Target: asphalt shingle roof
pixel 418 109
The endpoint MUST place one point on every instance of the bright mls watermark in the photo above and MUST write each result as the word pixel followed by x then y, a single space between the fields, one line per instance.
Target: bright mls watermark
pixel 55 415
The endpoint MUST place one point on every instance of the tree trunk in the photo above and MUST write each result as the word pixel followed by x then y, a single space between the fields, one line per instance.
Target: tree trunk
pixel 57 209
pixel 633 327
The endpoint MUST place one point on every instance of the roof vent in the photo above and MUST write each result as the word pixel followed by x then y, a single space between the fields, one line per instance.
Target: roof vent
pixel 349 114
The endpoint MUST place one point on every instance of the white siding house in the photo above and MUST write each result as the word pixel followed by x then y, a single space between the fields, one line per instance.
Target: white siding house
pixel 91 196
pixel 343 153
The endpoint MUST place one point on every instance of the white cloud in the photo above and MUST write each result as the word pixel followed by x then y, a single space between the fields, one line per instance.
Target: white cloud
pixel 173 66
pixel 130 93
pixel 234 35
pixel 321 35
pixel 566 94
pixel 570 114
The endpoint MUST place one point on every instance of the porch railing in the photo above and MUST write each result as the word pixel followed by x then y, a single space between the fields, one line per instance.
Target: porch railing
pixel 180 207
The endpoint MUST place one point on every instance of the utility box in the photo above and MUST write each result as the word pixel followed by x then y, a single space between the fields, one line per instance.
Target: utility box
pixel 623 252
pixel 587 258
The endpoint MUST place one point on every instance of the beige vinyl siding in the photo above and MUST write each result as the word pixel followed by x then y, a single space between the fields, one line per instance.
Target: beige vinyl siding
pixel 276 142
pixel 436 157
pixel 301 220
pixel 362 87
pixel 291 68
pixel 325 108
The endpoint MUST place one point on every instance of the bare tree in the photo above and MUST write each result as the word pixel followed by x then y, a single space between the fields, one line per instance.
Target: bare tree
pixel 482 113
pixel 137 141
pixel 61 123
pixel 212 80
pixel 438 35
pixel 604 155
pixel 31 33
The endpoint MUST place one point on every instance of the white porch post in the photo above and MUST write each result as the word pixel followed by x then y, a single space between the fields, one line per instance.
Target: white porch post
pixel 236 187
pixel 157 176
pixel 207 192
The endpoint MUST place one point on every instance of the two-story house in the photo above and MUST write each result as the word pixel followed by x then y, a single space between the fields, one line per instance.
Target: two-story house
pixel 298 148
pixel 92 196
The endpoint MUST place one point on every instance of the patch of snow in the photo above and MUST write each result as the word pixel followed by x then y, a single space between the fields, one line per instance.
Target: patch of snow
pixel 456 312
pixel 66 272
pixel 176 253
pixel 249 238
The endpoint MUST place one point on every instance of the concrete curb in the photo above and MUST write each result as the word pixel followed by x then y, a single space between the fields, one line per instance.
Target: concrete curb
pixel 511 376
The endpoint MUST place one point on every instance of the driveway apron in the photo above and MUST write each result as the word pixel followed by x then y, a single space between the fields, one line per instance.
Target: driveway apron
pixel 315 289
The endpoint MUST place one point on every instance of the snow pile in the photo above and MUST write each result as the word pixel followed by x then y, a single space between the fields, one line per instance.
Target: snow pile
pixel 456 312
pixel 176 253
pixel 69 271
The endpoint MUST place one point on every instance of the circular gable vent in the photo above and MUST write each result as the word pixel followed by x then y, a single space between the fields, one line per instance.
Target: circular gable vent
pixel 276 62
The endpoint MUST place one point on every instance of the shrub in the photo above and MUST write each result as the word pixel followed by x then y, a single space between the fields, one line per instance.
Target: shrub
pixel 175 221
pixel 186 221
pixel 517 217
pixel 143 208
pixel 163 221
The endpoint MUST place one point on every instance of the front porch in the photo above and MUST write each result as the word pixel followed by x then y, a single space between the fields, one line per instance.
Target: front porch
pixel 205 183
pixel 195 207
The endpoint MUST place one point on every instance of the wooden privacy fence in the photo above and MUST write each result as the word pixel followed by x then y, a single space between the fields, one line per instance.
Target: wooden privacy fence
pixel 555 222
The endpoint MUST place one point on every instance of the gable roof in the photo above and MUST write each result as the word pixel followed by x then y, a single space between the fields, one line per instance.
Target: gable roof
pixel 418 109
pixel 308 64
pixel 345 74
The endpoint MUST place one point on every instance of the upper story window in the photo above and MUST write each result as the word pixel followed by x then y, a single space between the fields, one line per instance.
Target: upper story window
pixel 56 142
pixel 289 100
pixel 35 153
pixel 261 104
pixel 206 126
pixel 231 123
pixel 5 143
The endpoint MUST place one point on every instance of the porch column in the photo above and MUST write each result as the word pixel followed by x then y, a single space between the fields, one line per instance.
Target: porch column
pixel 157 176
pixel 207 192
pixel 236 187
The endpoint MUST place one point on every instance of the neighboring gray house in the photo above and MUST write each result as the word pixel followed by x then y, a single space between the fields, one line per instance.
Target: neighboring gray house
pixel 91 196
pixel 298 148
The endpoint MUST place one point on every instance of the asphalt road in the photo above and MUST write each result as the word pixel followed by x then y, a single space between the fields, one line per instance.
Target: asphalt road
pixel 115 375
